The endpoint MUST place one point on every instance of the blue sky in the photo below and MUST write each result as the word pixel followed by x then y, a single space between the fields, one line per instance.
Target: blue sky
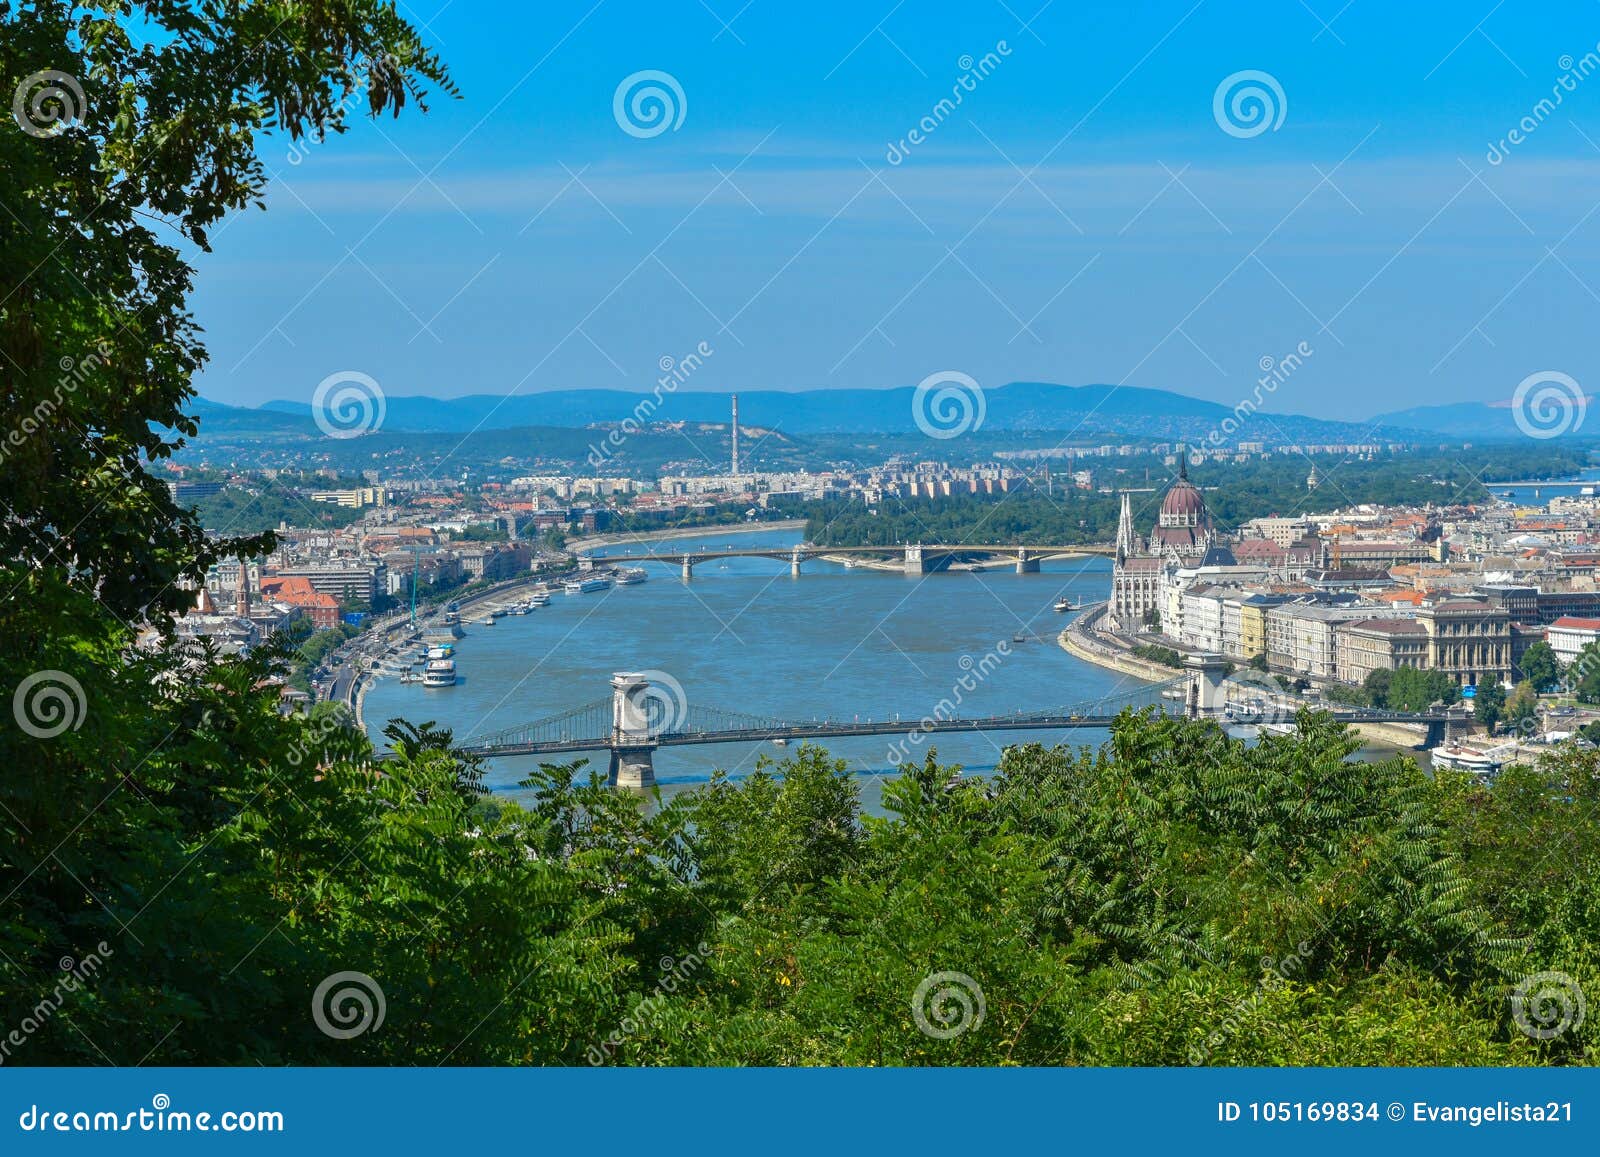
pixel 1082 216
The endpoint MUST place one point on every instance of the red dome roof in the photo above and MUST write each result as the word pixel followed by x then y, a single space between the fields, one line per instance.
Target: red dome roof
pixel 1183 499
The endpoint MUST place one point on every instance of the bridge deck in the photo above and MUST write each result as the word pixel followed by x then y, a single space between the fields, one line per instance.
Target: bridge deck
pixel 826 730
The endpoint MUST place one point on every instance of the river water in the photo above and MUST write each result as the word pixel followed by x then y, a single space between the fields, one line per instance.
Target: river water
pixel 745 636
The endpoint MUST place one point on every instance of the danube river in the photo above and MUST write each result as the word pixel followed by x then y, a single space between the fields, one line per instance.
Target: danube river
pixel 746 636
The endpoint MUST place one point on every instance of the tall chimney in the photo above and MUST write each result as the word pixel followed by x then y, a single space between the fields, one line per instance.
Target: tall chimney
pixel 736 435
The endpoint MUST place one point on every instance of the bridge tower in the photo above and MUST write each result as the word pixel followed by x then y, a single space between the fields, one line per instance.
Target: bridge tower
pixel 1206 673
pixel 585 563
pixel 794 562
pixel 688 567
pixel 914 563
pixel 631 743
pixel 1027 563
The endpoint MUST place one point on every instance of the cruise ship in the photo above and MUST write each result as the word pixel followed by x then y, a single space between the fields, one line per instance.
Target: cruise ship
pixel 1484 760
pixel 585 586
pixel 539 599
pixel 439 673
pixel 629 575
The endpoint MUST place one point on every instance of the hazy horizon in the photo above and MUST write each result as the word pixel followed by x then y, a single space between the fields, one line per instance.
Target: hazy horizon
pixel 1089 213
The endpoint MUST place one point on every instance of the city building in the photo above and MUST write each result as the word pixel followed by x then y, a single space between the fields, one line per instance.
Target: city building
pixel 1182 534
pixel 1363 646
pixel 1468 639
pixel 1569 635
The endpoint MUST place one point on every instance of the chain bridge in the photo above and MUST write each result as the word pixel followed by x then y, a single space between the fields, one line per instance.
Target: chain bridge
pixel 641 716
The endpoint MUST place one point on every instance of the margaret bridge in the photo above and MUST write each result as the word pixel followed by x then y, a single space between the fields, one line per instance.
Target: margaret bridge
pixel 641 716
pixel 916 558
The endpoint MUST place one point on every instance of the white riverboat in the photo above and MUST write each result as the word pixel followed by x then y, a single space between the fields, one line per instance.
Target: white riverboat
pixel 1479 760
pixel 439 673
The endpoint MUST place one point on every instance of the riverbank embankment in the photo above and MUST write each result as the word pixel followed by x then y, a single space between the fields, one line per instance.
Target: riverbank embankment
pixel 1084 640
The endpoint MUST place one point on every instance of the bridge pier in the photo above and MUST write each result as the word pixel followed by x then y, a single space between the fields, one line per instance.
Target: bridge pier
pixel 1206 673
pixel 914 563
pixel 794 563
pixel 688 568
pixel 1027 563
pixel 632 764
pixel 585 563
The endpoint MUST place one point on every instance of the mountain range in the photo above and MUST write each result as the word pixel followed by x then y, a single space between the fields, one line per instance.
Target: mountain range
pixel 1091 410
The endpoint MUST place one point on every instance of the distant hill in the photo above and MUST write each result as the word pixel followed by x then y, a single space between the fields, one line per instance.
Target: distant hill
pixel 1097 410
pixel 1482 421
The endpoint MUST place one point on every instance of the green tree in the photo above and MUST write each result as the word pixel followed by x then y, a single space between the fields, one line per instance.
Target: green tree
pixel 1522 708
pixel 1377 686
pixel 1582 675
pixel 1540 666
pixel 101 190
pixel 1488 706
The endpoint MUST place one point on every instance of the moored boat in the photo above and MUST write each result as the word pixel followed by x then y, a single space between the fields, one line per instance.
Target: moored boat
pixel 1461 757
pixel 439 673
